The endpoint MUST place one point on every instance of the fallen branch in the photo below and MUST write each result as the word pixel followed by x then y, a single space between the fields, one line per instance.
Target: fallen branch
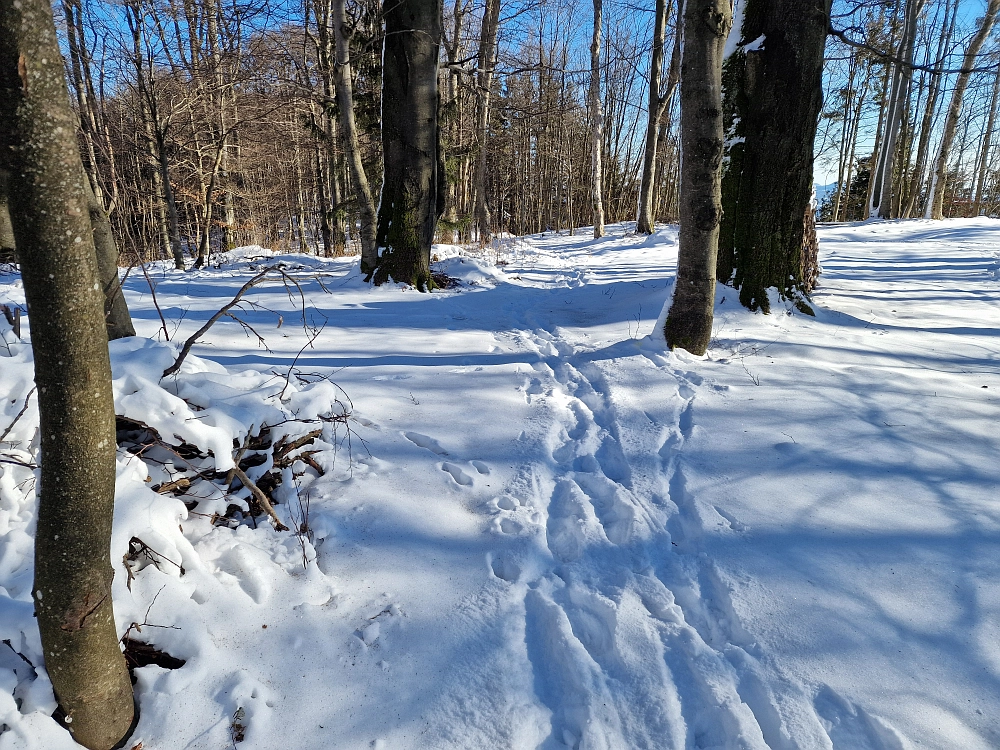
pixel 282 450
pixel 260 497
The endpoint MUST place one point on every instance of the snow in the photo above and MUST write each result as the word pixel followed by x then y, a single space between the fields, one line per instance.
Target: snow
pixel 555 533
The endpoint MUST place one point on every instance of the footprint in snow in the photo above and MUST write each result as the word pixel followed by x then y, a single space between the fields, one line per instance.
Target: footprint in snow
pixel 423 441
pixel 457 474
pixel 505 567
pixel 532 387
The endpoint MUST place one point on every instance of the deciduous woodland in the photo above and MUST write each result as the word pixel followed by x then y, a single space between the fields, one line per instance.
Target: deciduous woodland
pixel 502 374
pixel 208 125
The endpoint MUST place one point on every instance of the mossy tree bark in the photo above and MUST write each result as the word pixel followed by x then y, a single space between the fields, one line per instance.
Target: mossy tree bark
pixel 410 204
pixel 773 97
pixel 52 228
pixel 689 320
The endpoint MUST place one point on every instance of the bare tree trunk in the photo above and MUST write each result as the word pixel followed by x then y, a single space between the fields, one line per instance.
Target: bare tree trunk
pixel 410 205
pixel 52 227
pixel 173 224
pixel 116 315
pixel 984 157
pixel 879 130
pixel 204 245
pixel 487 55
pixel 657 103
pixel 936 200
pixel 596 121
pixel 927 124
pixel 882 172
pixel 689 320
pixel 349 132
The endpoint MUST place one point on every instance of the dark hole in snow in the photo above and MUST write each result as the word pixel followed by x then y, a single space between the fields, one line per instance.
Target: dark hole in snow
pixel 140 654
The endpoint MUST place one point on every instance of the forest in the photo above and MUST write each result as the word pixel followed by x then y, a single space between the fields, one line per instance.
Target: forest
pixel 206 126
pixel 526 374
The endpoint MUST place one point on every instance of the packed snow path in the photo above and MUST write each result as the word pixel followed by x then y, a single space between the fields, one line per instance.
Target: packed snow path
pixel 560 536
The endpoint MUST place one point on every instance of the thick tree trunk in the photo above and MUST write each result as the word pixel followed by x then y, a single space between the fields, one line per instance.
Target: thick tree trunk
pixel 596 122
pixel 936 200
pixel 689 320
pixel 410 205
pixel 775 92
pixel 349 132
pixel 52 226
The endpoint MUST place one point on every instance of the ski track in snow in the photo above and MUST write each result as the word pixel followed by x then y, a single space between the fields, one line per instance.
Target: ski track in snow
pixel 541 549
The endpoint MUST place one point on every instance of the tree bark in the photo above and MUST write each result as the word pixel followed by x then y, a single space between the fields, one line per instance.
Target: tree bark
pixel 349 132
pixel 936 200
pixel 487 55
pixel 116 315
pixel 657 102
pixel 882 174
pixel 596 121
pixel 927 124
pixel 775 92
pixel 52 227
pixel 410 205
pixel 984 157
pixel 689 320
pixel 7 244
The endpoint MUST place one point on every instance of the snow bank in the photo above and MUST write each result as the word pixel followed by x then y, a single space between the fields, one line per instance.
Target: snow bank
pixel 182 572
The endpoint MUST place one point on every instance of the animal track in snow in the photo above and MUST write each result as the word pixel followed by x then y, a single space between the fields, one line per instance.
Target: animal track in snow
pixel 506 502
pixel 457 474
pixel 424 441
pixel 481 466
pixel 505 567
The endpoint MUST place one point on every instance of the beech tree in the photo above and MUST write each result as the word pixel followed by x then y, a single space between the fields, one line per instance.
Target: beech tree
pixel 412 190
pixel 349 130
pixel 49 209
pixel 484 83
pixel 689 319
pixel 656 105
pixel 773 97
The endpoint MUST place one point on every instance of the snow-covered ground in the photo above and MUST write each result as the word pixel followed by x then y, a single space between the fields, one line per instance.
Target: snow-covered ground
pixel 554 533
